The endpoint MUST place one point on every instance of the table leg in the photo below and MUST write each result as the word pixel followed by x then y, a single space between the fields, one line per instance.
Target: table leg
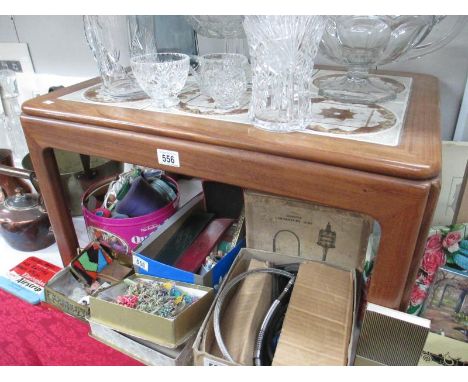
pixel 48 175
pixel 394 259
pixel 421 241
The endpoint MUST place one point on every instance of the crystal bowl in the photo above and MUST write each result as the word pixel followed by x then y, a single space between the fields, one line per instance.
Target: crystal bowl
pixel 162 76
pixel 362 42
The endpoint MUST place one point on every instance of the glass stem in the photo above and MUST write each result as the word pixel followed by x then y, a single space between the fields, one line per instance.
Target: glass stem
pixel 358 73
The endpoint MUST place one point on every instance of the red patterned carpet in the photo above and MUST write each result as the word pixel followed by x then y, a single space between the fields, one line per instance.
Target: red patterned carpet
pixel 33 335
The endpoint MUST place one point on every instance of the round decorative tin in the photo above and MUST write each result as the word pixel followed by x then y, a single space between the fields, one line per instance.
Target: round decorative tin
pixel 124 235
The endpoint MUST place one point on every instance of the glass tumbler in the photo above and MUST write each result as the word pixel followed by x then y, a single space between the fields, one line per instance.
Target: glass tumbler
pixel 282 51
pixel 113 41
pixel 224 78
pixel 162 76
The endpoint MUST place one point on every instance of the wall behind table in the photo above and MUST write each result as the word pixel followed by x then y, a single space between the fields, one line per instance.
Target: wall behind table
pixel 58 46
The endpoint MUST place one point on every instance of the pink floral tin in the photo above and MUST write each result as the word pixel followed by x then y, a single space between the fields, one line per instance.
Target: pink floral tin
pixel 123 235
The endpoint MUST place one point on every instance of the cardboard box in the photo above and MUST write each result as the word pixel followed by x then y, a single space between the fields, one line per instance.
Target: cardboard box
pixel 299 228
pixel 145 257
pixel 317 326
pixel 166 332
pixel 205 352
pixel 240 321
pixel 144 351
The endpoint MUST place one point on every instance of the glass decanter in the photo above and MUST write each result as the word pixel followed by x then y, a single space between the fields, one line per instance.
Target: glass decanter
pixel 362 42
pixel 114 40
pixel 11 116
pixel 282 51
pixel 227 27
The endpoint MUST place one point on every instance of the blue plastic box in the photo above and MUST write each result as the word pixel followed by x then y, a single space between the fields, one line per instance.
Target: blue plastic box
pixel 145 256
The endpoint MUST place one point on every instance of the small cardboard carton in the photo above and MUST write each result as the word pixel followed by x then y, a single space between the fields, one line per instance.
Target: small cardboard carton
pixel 167 332
pixel 145 257
pixel 317 327
pixel 144 351
pixel 206 351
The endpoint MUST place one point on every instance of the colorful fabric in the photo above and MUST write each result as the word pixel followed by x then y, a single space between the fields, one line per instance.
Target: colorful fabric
pixel 32 335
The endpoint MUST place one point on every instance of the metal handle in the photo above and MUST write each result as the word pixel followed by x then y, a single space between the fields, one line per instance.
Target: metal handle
pixel 17 172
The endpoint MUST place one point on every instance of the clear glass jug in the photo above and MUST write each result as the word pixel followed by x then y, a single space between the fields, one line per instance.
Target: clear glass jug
pixel 11 110
pixel 114 40
pixel 282 51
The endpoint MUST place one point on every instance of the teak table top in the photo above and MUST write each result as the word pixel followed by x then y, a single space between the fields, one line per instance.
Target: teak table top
pixel 417 157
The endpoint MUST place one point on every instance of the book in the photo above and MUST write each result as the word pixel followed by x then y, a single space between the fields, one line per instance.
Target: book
pixel 32 274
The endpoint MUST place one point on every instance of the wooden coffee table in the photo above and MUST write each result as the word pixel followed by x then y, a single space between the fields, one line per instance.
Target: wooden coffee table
pixel 398 186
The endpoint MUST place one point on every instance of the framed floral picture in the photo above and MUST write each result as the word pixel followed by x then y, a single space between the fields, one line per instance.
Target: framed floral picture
pixel 446 245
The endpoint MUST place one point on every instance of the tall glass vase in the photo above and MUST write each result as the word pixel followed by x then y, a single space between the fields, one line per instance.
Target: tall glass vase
pixel 113 41
pixel 282 51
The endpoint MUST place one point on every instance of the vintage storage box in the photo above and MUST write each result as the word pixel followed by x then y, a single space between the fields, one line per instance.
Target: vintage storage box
pixel 69 295
pixel 144 351
pixel 206 352
pixel 168 332
pixel 299 228
pixel 145 257
pixel 59 292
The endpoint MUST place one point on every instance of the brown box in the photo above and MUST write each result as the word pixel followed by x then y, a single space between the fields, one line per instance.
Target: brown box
pixel 299 228
pixel 205 348
pixel 162 331
pixel 240 321
pixel 317 326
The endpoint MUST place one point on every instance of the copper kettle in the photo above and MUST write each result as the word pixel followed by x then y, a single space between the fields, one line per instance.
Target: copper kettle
pixel 24 223
pixel 8 183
